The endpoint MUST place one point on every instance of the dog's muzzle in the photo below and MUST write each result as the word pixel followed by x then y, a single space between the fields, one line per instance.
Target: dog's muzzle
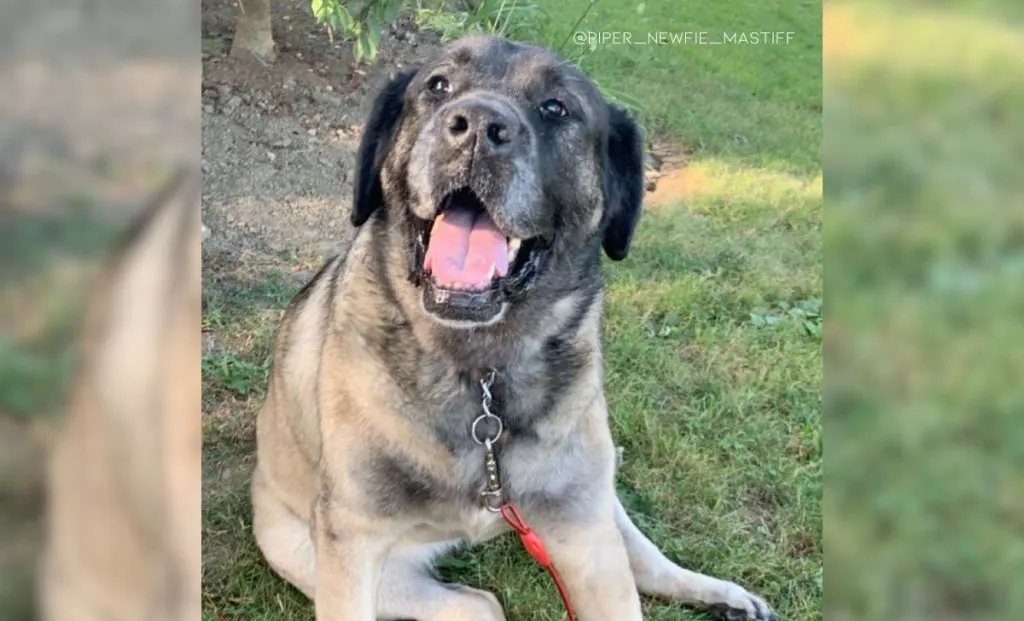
pixel 468 268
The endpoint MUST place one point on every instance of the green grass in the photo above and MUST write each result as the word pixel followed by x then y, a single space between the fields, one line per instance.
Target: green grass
pixel 926 135
pixel 713 349
pixel 755 104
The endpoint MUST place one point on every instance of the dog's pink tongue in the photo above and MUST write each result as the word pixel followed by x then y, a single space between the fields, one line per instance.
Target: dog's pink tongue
pixel 465 249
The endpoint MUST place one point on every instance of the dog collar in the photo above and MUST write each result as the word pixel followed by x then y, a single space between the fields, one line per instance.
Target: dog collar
pixel 493 496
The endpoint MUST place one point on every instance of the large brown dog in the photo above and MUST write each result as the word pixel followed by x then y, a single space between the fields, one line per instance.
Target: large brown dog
pixel 489 180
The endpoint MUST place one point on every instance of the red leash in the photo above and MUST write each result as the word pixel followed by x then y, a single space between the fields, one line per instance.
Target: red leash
pixel 533 544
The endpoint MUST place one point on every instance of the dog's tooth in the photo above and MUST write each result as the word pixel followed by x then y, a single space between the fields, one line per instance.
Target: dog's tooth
pixel 513 248
pixel 494 272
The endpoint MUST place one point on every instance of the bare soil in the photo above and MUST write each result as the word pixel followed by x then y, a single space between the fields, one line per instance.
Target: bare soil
pixel 279 140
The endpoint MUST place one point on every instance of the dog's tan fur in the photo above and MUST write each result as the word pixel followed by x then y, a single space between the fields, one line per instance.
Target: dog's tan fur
pixel 124 483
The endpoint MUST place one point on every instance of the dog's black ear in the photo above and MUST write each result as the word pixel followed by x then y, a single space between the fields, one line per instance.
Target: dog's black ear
pixel 375 144
pixel 623 182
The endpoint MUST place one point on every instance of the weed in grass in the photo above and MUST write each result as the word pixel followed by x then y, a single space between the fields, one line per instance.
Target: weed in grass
pixel 239 377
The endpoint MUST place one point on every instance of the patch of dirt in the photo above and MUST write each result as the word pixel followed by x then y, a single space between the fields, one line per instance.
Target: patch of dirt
pixel 668 178
pixel 675 186
pixel 279 140
pixel 669 155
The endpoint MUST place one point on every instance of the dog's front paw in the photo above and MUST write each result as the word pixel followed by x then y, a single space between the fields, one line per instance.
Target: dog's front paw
pixel 739 604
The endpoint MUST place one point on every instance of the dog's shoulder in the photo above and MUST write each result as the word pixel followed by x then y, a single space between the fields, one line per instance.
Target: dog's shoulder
pixel 309 314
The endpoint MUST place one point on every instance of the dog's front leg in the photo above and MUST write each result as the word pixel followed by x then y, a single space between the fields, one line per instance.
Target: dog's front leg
pixel 350 555
pixel 658 576
pixel 592 561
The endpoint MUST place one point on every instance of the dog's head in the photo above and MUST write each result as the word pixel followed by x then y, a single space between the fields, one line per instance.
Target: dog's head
pixel 503 164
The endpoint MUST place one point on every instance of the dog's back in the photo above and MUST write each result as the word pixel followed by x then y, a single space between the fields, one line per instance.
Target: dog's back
pixel 123 522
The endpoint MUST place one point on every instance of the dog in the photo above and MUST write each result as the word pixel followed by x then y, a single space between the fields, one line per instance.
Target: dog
pixel 124 481
pixel 449 362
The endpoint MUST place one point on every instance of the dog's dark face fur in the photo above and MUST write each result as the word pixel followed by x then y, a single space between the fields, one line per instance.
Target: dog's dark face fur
pixel 512 138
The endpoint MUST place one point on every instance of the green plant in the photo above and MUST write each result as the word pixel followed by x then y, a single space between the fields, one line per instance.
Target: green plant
pixel 806 313
pixel 508 18
pixel 360 20
pixel 235 375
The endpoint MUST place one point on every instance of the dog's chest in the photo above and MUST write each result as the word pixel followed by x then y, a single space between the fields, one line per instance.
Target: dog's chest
pixel 481 524
pixel 449 503
pixel 456 507
pixel 446 499
pixel 471 524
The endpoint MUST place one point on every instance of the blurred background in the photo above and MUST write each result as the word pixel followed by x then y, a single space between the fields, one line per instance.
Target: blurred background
pixel 924 346
pixel 99 104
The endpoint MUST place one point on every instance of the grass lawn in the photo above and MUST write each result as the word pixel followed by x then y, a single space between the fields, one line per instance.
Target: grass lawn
pixel 713 348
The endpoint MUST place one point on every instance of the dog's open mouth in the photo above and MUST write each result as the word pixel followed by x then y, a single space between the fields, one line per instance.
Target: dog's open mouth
pixel 470 268
pixel 464 250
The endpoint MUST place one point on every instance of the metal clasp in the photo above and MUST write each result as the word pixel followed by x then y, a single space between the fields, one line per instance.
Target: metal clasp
pixel 492 495
pixel 485 404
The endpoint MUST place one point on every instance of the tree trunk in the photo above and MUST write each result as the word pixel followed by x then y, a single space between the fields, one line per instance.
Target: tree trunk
pixel 252 31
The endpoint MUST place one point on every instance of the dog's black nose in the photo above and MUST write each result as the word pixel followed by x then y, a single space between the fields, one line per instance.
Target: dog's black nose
pixel 494 130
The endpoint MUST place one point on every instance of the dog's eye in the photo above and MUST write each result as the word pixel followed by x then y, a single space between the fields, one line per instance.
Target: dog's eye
pixel 553 107
pixel 439 84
